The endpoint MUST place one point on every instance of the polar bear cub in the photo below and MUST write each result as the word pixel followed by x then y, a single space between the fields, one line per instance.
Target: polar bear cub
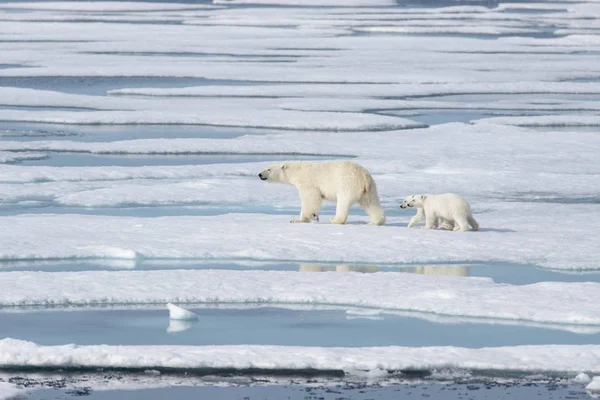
pixel 344 182
pixel 451 210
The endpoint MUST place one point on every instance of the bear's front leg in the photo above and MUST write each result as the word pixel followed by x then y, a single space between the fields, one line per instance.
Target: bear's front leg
pixel 311 204
pixel 430 221
pixel 420 216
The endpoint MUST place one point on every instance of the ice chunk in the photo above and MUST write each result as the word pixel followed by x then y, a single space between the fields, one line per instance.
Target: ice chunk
pixel 112 252
pixel 582 378
pixel 594 385
pixel 179 313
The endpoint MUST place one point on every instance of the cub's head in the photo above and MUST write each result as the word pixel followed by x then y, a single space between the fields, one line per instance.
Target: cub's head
pixel 413 201
pixel 274 173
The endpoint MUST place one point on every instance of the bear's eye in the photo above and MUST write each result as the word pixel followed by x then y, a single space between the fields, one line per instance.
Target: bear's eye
pixel 269 170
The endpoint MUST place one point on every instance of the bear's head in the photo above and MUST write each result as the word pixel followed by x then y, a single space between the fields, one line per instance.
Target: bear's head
pixel 413 201
pixel 274 173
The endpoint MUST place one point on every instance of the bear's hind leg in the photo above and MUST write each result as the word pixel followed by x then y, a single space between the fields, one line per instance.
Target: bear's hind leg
pixel 461 224
pixel 473 223
pixel 341 210
pixel 374 211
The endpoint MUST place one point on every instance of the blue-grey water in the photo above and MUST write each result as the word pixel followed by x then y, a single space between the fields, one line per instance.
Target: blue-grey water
pixel 259 389
pixel 514 274
pixel 279 326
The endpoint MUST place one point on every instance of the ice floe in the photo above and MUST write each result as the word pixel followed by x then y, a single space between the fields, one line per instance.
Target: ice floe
pixel 511 232
pixel 520 358
pixel 455 296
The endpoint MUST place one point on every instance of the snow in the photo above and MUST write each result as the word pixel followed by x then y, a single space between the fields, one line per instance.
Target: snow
pixel 11 157
pixel 545 302
pixel 9 391
pixel 100 6
pixel 311 3
pixel 179 313
pixel 520 358
pixel 594 385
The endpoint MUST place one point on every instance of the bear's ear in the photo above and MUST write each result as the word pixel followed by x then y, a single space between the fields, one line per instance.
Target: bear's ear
pixel 283 167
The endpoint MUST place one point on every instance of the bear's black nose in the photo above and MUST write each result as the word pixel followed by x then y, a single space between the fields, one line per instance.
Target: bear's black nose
pixel 260 176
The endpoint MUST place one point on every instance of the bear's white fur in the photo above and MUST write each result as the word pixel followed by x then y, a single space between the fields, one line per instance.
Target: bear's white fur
pixel 344 182
pixel 450 209
pixel 420 216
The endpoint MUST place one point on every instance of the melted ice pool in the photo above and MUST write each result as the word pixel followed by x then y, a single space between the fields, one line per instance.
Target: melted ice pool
pixel 297 326
pixel 513 274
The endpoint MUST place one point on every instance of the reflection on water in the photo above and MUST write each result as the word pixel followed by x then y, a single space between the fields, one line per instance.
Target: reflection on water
pixel 430 270
pixel 180 325
pixel 437 270
pixel 338 268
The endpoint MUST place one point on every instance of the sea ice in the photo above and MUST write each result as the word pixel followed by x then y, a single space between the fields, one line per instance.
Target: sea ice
pixel 558 358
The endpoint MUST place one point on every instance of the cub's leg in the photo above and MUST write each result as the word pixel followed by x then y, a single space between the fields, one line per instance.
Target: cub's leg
pixel 419 216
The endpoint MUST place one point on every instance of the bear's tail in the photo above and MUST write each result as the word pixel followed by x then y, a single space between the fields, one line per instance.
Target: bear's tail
pixel 473 223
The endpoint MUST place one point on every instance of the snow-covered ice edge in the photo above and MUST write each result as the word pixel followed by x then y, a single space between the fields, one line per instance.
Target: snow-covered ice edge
pixel 548 358
pixel 545 302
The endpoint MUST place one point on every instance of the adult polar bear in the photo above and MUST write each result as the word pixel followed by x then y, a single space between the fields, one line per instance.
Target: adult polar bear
pixel 344 182
pixel 451 209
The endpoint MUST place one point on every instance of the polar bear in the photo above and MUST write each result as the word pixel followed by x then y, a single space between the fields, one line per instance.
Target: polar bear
pixel 452 210
pixel 344 182
pixel 420 216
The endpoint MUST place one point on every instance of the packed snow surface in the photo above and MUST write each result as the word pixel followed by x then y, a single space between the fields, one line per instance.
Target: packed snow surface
pixel 510 232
